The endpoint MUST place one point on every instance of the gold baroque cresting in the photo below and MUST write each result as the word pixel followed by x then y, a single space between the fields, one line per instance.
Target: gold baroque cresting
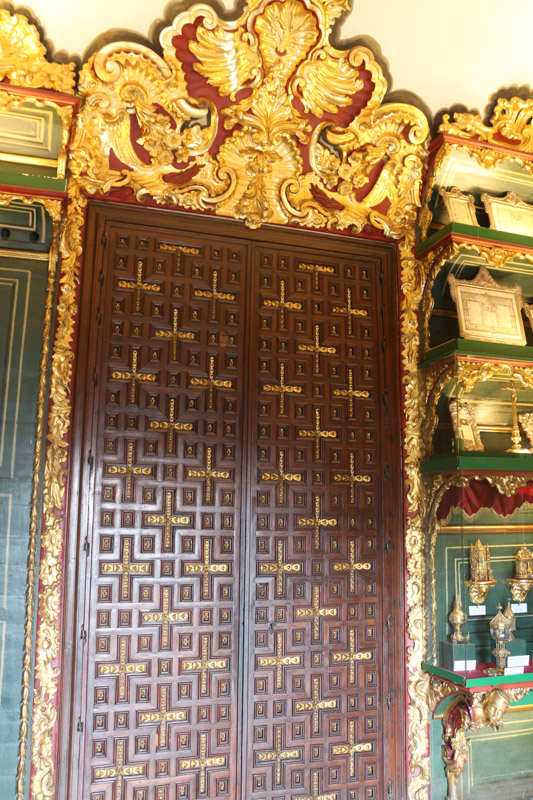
pixel 23 57
pixel 284 157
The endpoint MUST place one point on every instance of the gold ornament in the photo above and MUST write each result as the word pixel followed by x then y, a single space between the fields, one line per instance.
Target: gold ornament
pixel 23 57
pixel 457 618
pixel 522 582
pixel 53 207
pixel 47 646
pixel 247 160
pixel 365 167
pixel 526 421
pixel 500 631
pixel 510 125
pixel 481 577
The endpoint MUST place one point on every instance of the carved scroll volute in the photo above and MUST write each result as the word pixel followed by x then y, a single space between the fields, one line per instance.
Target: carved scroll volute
pixel 279 96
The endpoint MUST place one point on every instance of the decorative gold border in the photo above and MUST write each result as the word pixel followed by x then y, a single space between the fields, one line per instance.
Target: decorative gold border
pixel 487 157
pixel 497 206
pixel 47 648
pixel 53 207
pixel 460 206
pixel 417 681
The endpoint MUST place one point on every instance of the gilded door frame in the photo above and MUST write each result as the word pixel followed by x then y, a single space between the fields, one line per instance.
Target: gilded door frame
pixel 333 156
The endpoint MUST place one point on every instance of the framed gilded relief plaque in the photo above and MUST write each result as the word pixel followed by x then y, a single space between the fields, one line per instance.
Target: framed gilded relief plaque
pixel 465 425
pixel 461 207
pixel 487 310
pixel 509 213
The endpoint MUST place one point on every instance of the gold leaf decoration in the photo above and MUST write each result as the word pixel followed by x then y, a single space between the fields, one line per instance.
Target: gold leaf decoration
pixel 510 125
pixel 270 155
pixel 23 57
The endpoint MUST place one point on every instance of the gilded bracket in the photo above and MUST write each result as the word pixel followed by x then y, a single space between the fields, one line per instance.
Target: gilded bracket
pixel 471 712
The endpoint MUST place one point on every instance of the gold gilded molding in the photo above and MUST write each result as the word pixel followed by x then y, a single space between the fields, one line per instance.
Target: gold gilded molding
pixel 47 648
pixel 23 57
pixel 417 680
pixel 265 143
pixel 510 125
pixel 53 207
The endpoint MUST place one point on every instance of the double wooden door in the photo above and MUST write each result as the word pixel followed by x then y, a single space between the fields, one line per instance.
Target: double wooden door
pixel 238 596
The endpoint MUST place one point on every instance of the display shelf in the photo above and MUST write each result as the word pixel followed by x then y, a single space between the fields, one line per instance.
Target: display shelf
pixel 486 351
pixel 477 421
pixel 472 166
pixel 459 232
pixel 477 679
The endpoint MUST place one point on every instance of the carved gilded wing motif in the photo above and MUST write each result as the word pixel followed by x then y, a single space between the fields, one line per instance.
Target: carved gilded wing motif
pixel 326 81
pixel 227 57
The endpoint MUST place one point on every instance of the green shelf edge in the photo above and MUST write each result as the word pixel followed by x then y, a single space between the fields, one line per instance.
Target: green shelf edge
pixel 460 680
pixel 475 232
pixel 507 462
pixel 472 347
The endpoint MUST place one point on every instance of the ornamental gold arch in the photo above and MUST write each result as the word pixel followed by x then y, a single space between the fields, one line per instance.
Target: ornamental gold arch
pixel 264 121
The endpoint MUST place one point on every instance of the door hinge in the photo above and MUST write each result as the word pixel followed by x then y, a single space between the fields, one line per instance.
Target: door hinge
pixel 388 623
pixel 384 344
pixel 79 726
pixel 86 546
pixel 389 701
pixel 386 472
pixel 98 318
pixel 95 377
pixel 389 790
pixel 83 634
pixel 385 397
pixel 101 278
pixel 90 460
pixel 104 240
pixel 387 546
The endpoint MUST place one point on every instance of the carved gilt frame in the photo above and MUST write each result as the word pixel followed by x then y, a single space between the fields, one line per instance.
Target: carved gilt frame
pixel 302 138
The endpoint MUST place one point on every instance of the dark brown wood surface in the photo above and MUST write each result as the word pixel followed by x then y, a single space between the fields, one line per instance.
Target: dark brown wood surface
pixel 234 623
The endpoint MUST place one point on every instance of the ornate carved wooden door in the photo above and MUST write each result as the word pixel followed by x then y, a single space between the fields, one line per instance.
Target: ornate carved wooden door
pixel 238 516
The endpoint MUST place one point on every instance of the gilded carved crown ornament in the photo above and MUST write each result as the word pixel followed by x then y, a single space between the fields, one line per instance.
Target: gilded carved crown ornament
pixel 260 119
pixel 23 57
pixel 510 125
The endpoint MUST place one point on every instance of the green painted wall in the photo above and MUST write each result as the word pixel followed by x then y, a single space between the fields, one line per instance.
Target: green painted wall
pixel 23 280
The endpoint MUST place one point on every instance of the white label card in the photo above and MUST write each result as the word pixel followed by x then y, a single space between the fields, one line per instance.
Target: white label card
pixel 518 661
pixel 464 666
pixel 519 608
pixel 477 611
pixel 513 671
